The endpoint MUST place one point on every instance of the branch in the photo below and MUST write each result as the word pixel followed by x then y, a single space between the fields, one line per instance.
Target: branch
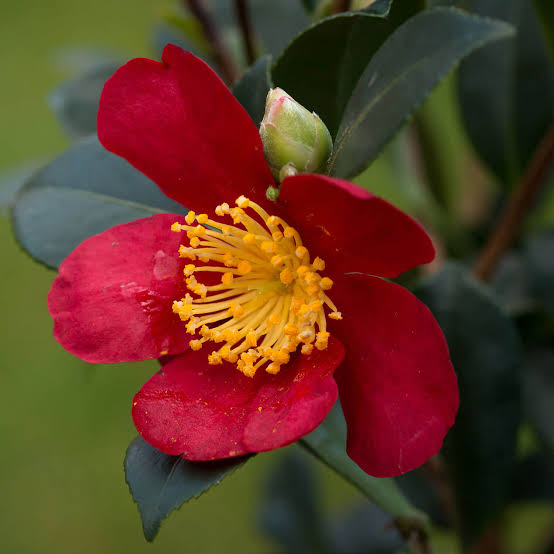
pixel 223 59
pixel 243 15
pixel 521 200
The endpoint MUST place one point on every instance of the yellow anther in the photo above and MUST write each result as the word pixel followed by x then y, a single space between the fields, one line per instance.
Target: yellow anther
pixel 195 345
pixel 214 358
pixel 242 202
pixel 290 329
pixel 307 349
pixel 319 264
pixel 252 339
pixel 189 269
pixel 227 278
pixel 286 276
pixel 236 214
pixel 273 368
pixel 276 260
pixel 273 319
pixel 269 246
pixel 281 304
pixel 244 267
pixel 228 260
pixel 296 304
pixel 235 309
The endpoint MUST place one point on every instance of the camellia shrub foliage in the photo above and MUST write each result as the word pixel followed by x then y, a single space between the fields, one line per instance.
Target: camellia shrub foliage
pixel 222 213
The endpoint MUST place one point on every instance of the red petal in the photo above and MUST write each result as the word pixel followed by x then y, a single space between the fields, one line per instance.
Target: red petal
pixel 112 300
pixel 209 412
pixel 352 229
pixel 180 125
pixel 397 386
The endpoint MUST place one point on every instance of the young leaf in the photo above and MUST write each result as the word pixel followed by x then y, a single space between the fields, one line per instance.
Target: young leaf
pixel 82 192
pixel 506 90
pixel 321 66
pixel 76 101
pixel 328 443
pixel 480 450
pixel 161 483
pixel 251 90
pixel 414 59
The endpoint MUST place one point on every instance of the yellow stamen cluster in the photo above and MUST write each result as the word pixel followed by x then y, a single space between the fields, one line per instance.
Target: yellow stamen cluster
pixel 270 297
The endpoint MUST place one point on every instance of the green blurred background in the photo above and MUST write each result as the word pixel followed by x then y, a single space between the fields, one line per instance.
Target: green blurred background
pixel 66 424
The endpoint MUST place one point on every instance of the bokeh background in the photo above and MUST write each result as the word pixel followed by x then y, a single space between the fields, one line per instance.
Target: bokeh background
pixel 66 424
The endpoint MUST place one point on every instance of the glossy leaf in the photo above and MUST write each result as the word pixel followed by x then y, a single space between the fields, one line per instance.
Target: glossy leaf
pixel 251 90
pixel 84 191
pixel 484 348
pixel 413 60
pixel 328 443
pixel 506 90
pixel 76 101
pixel 321 66
pixel 539 260
pixel 161 483
pixel 291 507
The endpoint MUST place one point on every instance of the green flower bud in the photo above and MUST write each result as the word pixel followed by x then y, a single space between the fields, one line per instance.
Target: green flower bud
pixel 292 136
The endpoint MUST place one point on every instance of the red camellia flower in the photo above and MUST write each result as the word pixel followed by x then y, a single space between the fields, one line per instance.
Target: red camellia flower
pixel 253 309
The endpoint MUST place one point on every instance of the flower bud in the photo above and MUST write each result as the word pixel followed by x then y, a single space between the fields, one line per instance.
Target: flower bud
pixel 292 136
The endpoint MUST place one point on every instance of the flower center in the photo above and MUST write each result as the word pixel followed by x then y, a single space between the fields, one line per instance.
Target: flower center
pixel 270 298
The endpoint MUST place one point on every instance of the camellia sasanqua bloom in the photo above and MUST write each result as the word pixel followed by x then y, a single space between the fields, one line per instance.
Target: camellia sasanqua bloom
pixel 261 312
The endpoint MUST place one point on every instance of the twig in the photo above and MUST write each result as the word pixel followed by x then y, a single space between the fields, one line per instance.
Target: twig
pixel 521 200
pixel 223 59
pixel 415 536
pixel 243 15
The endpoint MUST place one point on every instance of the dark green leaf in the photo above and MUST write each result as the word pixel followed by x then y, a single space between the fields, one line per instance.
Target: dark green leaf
pixel 507 90
pixel 291 507
pixel 276 23
pixel 538 392
pixel 161 483
pixel 321 66
pixel 251 90
pixel 328 443
pixel 485 350
pixel 539 259
pixel 400 76
pixel 76 101
pixel 83 192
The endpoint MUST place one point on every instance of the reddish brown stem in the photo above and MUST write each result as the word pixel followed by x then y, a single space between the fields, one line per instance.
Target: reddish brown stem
pixel 243 15
pixel 222 57
pixel 341 6
pixel 521 200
